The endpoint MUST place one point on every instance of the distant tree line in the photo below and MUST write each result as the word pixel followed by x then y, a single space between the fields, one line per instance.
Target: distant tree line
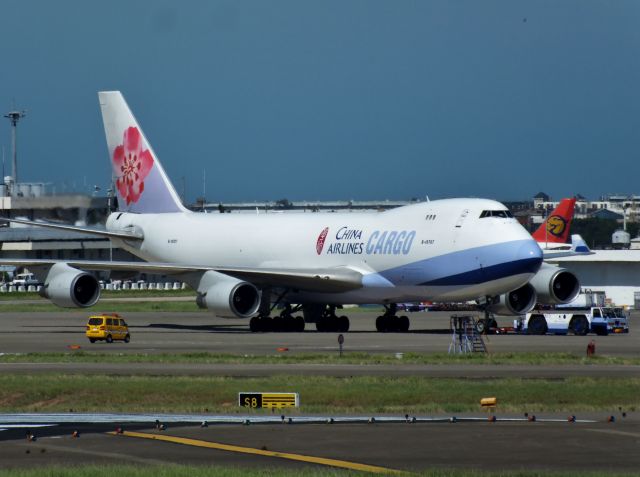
pixel 597 232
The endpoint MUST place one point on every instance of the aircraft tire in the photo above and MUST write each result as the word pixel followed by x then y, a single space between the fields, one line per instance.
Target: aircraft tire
pixel 321 325
pixel 254 324
pixel 265 324
pixel 343 324
pixel 298 324
pixel 481 326
pixel 279 323
pixel 380 324
pixel 403 324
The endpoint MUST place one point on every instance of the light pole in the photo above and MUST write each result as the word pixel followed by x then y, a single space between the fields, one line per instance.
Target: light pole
pixel 14 117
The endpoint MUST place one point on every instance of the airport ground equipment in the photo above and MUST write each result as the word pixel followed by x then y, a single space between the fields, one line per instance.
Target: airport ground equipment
pixel 464 337
pixel 579 321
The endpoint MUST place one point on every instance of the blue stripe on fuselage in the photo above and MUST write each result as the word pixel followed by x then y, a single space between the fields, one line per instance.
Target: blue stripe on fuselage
pixel 470 266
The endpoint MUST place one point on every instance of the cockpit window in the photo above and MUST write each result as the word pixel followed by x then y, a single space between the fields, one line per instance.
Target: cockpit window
pixel 496 213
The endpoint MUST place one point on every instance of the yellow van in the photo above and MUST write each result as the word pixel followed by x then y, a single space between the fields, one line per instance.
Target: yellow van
pixel 108 328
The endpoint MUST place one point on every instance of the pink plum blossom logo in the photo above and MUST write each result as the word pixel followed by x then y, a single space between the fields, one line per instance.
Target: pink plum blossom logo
pixel 131 164
pixel 321 239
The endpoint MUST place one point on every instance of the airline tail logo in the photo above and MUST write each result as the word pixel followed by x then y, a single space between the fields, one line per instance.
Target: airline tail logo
pixel 321 239
pixel 132 163
pixel 556 225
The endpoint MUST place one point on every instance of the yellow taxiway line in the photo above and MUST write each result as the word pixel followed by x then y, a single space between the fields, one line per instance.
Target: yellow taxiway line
pixel 249 450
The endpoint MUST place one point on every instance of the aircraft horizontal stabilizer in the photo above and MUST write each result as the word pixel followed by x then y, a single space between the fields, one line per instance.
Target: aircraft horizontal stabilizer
pixel 71 228
pixel 578 247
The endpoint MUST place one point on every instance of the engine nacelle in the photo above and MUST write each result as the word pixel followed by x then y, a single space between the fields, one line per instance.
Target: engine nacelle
pixel 555 285
pixel 226 296
pixel 69 287
pixel 516 302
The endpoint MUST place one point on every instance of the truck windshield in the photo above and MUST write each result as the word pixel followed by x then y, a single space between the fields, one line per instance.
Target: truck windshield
pixel 608 313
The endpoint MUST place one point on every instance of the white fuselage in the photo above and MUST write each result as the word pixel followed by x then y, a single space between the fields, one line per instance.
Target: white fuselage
pixel 439 250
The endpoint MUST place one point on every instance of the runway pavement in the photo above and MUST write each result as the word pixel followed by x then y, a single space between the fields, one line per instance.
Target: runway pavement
pixel 595 446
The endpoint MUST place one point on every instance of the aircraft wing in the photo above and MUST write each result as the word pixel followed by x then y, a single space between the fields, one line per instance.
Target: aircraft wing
pixel 71 228
pixel 328 280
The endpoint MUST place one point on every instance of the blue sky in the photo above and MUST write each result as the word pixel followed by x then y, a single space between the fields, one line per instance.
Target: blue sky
pixel 334 99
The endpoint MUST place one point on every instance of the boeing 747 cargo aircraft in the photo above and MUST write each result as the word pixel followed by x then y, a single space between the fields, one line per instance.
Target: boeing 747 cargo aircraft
pixel 243 265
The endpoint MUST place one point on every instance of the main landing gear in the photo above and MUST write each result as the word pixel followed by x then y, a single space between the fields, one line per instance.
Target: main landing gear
pixel 328 321
pixel 486 324
pixel 390 322
pixel 286 321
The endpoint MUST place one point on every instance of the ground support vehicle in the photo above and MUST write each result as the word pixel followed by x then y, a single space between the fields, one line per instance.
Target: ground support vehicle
pixel 579 321
pixel 107 327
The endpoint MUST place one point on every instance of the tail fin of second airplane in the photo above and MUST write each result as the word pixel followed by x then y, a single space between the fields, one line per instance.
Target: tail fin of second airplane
pixel 556 228
pixel 140 181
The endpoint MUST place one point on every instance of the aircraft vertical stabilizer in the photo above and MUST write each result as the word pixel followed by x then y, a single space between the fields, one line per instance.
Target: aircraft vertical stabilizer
pixel 555 229
pixel 140 181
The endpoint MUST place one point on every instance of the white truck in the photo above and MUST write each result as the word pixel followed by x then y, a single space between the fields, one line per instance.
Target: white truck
pixel 600 320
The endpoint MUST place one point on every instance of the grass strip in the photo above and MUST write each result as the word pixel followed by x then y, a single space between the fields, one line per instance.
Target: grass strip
pixel 173 470
pixel 503 359
pixel 353 395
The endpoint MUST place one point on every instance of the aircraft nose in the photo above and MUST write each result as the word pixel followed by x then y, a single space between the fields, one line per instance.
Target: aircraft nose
pixel 529 255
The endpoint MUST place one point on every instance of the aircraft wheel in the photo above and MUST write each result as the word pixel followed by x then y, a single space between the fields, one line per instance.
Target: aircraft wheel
pixel 481 326
pixel 403 324
pixel 380 324
pixel 343 324
pixel 299 324
pixel 266 324
pixel 278 324
pixel 254 324
pixel 321 325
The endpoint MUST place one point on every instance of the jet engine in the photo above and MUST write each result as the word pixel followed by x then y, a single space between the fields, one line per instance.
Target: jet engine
pixel 515 302
pixel 69 287
pixel 555 285
pixel 226 296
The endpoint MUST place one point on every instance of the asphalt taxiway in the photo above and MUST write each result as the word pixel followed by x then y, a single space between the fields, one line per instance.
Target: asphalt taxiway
pixel 535 446
pixel 162 332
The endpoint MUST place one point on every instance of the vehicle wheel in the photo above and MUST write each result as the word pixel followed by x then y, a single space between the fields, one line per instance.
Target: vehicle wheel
pixel 602 331
pixel 537 325
pixel 403 324
pixel 481 326
pixel 127 338
pixel 109 339
pixel 343 324
pixel 92 340
pixel 579 325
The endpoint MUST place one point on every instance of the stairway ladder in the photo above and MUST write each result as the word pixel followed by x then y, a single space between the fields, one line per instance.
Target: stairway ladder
pixel 464 337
